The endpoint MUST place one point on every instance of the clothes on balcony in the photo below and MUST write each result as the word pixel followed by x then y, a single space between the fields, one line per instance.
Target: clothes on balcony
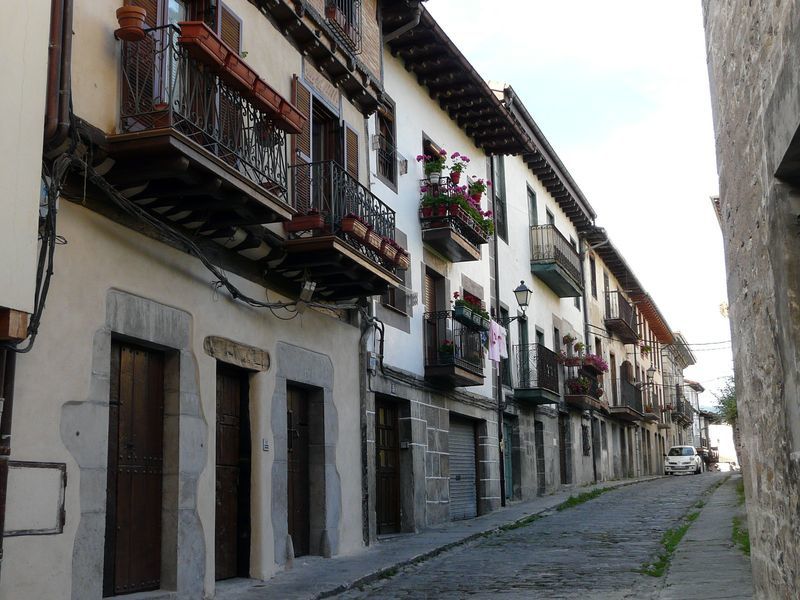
pixel 498 348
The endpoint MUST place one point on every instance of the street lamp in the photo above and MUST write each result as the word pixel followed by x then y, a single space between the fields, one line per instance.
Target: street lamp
pixel 523 296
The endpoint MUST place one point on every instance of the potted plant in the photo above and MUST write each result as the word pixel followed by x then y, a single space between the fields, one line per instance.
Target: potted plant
pixel 595 363
pixel 433 164
pixel 578 386
pixel 388 249
pixel 462 310
pixel 403 259
pixel 373 239
pixel 311 221
pixel 447 351
pixel 203 44
pixel 645 349
pixel 131 23
pixel 460 162
pixel 353 225
pixel 477 187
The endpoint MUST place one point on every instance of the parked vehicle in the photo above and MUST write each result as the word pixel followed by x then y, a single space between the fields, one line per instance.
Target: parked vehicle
pixel 682 459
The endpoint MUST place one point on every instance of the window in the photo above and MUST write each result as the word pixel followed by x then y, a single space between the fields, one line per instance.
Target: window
pixel 396 298
pixel 551 220
pixel 505 363
pixel 539 337
pixel 533 215
pixel 386 151
pixel 598 346
pixel 556 339
pixel 344 18
pixel 593 276
pixel 499 187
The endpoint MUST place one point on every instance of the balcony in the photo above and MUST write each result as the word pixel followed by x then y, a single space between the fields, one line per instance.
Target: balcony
pixel 621 318
pixel 195 147
pixel 448 227
pixel 342 237
pixel 536 374
pixel 629 407
pixel 583 390
pixel 682 413
pixel 453 352
pixel 555 261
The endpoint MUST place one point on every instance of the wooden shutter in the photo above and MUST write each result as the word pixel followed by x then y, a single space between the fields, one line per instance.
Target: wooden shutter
pixel 301 147
pixel 430 293
pixel 230 28
pixel 151 6
pixel 351 151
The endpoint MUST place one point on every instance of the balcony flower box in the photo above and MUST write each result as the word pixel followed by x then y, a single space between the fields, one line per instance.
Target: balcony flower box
pixel 403 260
pixel 480 322
pixel 266 98
pixel 238 74
pixel 308 222
pixel 388 250
pixel 292 121
pixel 373 240
pixel 203 44
pixel 463 314
pixel 354 226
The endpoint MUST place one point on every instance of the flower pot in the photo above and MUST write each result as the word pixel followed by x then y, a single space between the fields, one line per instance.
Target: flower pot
pixel 131 23
pixel 403 260
pixel 388 250
pixel 291 121
pixel 463 314
pixel 446 358
pixel 454 208
pixel 455 177
pixel 238 74
pixel 355 227
pixel 476 197
pixel 434 177
pixel 441 210
pixel 305 223
pixel 373 240
pixel 203 44
pixel 266 98
pixel 161 116
pixel 426 211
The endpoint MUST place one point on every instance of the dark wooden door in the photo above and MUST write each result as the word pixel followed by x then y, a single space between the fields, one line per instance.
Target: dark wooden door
pixel 538 434
pixel 298 484
pixel 135 463
pixel 563 445
pixel 387 467
pixel 232 525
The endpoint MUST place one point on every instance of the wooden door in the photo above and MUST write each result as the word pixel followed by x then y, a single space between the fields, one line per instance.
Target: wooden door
pixel 135 463
pixel 508 463
pixel 232 524
pixel 563 445
pixel 298 475
pixel 387 467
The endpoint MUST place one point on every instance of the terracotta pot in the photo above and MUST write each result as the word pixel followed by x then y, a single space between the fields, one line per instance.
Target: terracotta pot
pixel 388 250
pixel 266 98
pixel 291 121
pixel 355 227
pixel 402 260
pixel 476 197
pixel 373 240
pixel 305 223
pixel 161 117
pixel 441 210
pixel 455 177
pixel 131 23
pixel 203 44
pixel 426 211
pixel 238 74
pixel 454 209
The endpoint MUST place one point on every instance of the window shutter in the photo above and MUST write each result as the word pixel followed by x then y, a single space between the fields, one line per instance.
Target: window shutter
pixel 301 147
pixel 351 151
pixel 230 28
pixel 151 6
pixel 430 293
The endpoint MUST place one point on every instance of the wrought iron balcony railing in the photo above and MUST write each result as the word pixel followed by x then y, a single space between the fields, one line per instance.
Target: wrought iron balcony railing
pixel 537 367
pixel 448 342
pixel 325 188
pixel 162 86
pixel 620 316
pixel 344 18
pixel 549 245
pixel 630 396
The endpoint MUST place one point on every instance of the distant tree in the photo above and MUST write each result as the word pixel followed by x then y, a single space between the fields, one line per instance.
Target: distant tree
pixel 726 402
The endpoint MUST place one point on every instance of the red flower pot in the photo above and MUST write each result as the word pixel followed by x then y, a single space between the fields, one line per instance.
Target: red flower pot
pixel 388 250
pixel 266 98
pixel 203 44
pixel 305 223
pixel 476 197
pixel 455 177
pixel 441 210
pixel 131 23
pixel 238 74
pixel 427 211
pixel 355 227
pixel 402 260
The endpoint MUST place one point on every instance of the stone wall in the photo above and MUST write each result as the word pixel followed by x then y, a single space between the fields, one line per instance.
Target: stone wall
pixel 753 58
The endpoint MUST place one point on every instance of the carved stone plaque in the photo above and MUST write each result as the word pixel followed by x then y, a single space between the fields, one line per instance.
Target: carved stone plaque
pixel 234 353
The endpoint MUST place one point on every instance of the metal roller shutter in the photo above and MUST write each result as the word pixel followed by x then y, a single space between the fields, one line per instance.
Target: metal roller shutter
pixel 463 496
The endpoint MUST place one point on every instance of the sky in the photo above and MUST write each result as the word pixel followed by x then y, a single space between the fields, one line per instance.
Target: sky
pixel 620 90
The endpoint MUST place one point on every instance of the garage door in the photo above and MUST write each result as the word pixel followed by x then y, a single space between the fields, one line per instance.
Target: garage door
pixel 463 501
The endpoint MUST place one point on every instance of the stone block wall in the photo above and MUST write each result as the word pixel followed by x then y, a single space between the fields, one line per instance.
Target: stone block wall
pixel 753 51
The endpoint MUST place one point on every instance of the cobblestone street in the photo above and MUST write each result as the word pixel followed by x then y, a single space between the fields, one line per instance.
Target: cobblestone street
pixel 592 550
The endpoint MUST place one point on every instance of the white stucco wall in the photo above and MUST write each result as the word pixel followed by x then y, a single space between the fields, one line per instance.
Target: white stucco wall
pixel 100 256
pixel 24 73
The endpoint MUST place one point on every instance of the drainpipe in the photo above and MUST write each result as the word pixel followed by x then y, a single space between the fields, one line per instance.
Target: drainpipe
pixel 582 255
pixel 497 378
pixel 8 360
pixel 406 27
pixel 59 68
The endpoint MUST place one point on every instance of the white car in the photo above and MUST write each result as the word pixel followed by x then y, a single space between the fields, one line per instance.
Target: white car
pixel 682 459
